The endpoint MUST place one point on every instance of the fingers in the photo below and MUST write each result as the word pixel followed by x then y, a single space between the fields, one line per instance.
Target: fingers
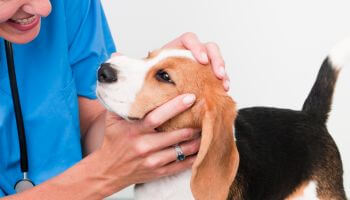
pixel 111 119
pixel 176 43
pixel 176 167
pixel 227 83
pixel 191 42
pixel 167 111
pixel 216 59
pixel 159 141
pixel 218 63
pixel 152 143
pixel 166 156
pixel 169 155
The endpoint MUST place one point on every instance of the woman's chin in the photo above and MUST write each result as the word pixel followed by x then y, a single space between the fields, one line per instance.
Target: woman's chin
pixel 19 37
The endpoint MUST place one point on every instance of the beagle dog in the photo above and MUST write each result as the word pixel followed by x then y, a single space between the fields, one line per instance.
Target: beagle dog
pixel 278 154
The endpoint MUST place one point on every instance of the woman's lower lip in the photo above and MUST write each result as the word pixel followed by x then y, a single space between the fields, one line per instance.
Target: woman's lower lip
pixel 25 27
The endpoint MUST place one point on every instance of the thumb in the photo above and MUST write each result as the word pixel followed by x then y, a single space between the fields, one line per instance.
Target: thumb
pixel 112 127
pixel 112 119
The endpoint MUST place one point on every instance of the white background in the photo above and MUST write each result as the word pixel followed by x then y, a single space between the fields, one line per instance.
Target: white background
pixel 273 48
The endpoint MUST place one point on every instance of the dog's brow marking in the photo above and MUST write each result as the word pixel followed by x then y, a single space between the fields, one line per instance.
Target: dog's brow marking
pixel 164 54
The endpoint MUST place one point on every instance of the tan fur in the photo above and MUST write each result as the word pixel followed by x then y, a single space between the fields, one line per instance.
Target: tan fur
pixel 214 112
pixel 217 161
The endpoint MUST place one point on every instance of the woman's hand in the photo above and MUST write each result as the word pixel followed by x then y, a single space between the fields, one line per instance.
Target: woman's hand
pixel 204 53
pixel 133 152
pixel 130 153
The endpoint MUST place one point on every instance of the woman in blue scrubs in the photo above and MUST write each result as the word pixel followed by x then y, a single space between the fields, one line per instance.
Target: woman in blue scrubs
pixel 58 46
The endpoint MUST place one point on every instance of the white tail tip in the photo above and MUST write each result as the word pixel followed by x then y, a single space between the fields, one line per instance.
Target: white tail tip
pixel 340 54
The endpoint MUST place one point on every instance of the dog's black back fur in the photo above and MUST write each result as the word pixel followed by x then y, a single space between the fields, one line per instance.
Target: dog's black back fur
pixel 280 149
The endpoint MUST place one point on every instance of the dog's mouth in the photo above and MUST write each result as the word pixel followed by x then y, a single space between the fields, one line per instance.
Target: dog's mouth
pixel 125 117
pixel 100 98
pixel 130 118
pixel 134 118
pixel 103 99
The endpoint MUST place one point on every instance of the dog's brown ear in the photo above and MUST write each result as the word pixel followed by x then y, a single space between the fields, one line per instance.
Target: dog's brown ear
pixel 217 161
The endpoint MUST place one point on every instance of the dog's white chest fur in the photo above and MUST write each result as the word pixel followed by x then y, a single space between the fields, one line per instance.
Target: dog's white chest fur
pixel 168 188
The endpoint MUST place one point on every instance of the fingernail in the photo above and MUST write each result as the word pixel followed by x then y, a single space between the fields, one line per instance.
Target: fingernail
pixel 204 57
pixel 227 85
pixel 222 71
pixel 189 99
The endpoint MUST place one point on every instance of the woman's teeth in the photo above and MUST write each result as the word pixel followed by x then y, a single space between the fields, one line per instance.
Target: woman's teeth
pixel 24 21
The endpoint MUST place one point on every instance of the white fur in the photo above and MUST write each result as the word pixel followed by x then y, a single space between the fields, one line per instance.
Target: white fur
pixel 170 53
pixel 234 133
pixel 310 192
pixel 340 54
pixel 119 96
pixel 176 187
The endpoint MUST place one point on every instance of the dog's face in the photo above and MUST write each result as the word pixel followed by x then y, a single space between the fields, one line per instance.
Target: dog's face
pixel 132 88
pixel 144 84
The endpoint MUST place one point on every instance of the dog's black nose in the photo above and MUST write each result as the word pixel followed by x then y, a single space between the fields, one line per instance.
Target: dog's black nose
pixel 106 74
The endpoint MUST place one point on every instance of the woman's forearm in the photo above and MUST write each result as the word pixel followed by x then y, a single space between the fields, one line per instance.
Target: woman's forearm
pixel 93 137
pixel 84 181
pixel 92 118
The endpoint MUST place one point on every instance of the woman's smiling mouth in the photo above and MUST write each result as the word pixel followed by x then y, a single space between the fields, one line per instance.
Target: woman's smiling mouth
pixel 24 24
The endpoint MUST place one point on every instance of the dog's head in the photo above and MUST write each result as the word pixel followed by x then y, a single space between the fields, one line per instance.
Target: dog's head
pixel 132 88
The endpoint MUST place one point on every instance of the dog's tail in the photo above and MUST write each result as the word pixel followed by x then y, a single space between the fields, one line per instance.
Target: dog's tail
pixel 318 103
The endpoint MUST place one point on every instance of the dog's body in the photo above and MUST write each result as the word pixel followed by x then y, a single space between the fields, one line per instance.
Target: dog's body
pixel 283 150
pixel 283 154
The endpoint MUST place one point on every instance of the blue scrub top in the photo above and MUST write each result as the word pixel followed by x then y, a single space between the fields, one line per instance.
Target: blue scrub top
pixel 52 71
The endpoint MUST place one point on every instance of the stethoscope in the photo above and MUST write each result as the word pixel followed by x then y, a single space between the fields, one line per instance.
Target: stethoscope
pixel 25 183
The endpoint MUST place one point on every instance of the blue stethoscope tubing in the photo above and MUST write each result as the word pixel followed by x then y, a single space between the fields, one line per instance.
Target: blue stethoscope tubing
pixel 25 183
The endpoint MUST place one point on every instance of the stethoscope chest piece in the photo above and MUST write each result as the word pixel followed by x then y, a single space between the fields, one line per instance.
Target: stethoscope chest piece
pixel 24 184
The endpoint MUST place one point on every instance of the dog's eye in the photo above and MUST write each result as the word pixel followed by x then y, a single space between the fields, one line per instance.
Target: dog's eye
pixel 163 76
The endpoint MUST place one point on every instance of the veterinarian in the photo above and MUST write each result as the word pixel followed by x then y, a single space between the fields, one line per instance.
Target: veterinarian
pixel 57 47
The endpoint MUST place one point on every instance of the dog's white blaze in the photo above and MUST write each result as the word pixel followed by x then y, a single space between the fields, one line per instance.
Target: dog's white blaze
pixel 340 54
pixel 310 192
pixel 170 53
pixel 119 96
